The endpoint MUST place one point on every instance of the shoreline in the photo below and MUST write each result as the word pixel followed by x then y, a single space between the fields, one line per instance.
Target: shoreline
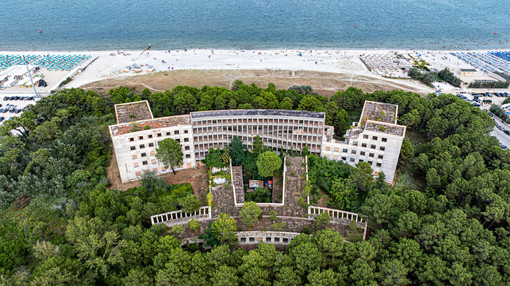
pixel 110 64
pixel 251 50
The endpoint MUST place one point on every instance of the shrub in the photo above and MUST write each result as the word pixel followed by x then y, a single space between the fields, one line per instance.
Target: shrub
pixel 178 230
pixel 302 203
pixel 321 221
pixel 355 233
pixel 190 203
pixel 250 214
pixel 213 159
pixel 278 226
pixel 272 213
pixel 147 127
pixel 210 199
pixel 306 230
pixel 135 127
pixel 307 189
pixel 66 81
pixel 193 224
pixel 260 195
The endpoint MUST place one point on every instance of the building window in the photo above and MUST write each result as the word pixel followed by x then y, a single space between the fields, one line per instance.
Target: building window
pixel 144 154
pixel 131 139
pixel 132 148
pixel 186 139
pixel 150 136
pixel 144 162
pixel 354 143
pixel 370 162
pixel 344 150
pixel 365 136
pixel 382 148
pixel 380 157
pixel 176 132
pixel 352 159
pixel 362 153
pixel 151 144
pixel 140 137
pixel 344 158
pixel 361 160
pixel 364 145
pixel 185 131
pixel 353 151
pixel 159 134
pixel 371 155
pixel 384 139
pixel 142 146
pixel 372 146
pixel 178 140
pixel 378 164
pixel 186 148
pixel 188 156
pixel 374 138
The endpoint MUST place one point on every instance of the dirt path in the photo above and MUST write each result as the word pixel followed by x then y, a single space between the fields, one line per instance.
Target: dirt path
pixel 322 82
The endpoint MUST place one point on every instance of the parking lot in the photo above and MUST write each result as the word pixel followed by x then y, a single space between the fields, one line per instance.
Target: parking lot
pixel 484 99
pixel 14 105
pixel 501 130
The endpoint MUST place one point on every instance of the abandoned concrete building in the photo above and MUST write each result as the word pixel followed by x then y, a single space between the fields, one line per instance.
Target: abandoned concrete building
pixel 375 139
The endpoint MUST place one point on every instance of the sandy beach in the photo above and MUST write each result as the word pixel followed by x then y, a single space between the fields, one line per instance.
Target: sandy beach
pixel 112 64
pixel 122 64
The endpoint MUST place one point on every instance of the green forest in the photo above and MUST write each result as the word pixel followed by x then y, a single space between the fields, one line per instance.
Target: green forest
pixel 444 222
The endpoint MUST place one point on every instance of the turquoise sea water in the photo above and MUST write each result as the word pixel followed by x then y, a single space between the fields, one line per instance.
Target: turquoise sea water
pixel 253 24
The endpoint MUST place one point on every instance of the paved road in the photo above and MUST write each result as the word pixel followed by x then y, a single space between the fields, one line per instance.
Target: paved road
pixel 502 137
pixel 501 122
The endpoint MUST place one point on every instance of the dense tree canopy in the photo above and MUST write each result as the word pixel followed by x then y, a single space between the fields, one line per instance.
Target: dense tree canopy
pixel 445 221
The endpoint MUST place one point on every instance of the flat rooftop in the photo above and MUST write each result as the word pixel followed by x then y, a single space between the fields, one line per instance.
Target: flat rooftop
pixel 133 111
pixel 257 112
pixel 378 111
pixel 155 123
pixel 391 129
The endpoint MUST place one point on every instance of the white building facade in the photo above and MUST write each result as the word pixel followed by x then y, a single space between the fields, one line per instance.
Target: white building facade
pixel 375 139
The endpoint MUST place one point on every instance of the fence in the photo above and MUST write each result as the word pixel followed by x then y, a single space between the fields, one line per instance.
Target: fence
pixel 273 237
pixel 177 217
pixel 336 214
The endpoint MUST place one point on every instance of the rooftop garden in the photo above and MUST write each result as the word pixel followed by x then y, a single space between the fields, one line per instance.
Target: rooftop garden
pixel 255 172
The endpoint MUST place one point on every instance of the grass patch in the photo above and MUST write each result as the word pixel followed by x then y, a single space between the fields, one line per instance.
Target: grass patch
pixel 415 137
pixel 406 180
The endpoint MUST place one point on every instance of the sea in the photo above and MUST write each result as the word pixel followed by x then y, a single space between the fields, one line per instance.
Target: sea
pixel 78 25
